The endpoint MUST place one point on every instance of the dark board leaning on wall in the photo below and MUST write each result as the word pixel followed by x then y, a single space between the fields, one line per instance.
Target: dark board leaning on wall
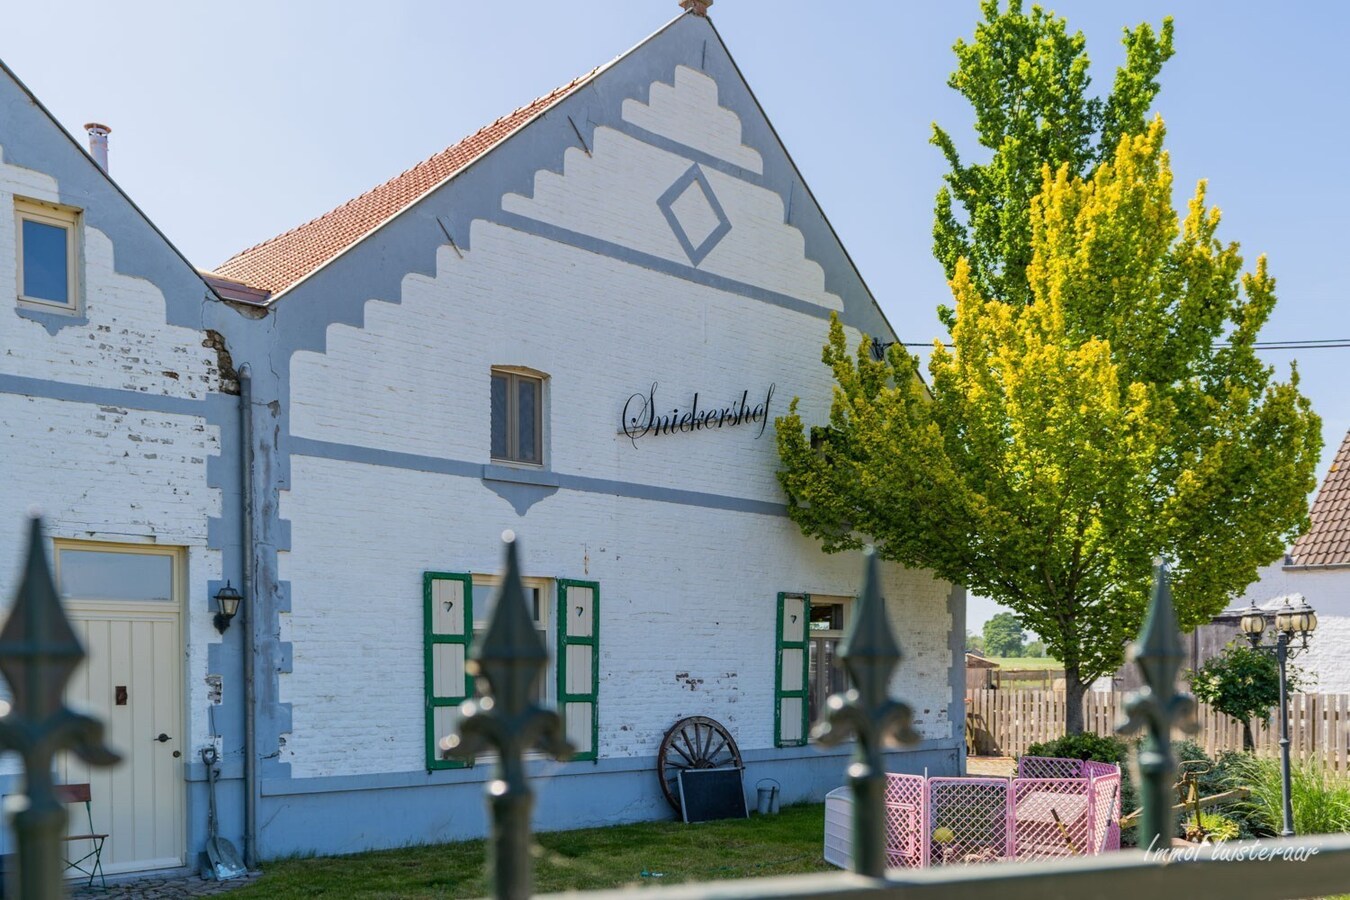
pixel 707 794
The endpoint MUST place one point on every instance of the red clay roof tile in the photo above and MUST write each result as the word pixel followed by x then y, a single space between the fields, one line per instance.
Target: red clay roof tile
pixel 1327 542
pixel 278 264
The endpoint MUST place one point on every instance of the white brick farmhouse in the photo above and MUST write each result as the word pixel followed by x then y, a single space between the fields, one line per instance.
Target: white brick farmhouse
pixel 578 323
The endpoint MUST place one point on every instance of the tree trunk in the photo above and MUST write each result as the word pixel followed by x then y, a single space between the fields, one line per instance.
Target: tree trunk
pixel 1248 739
pixel 1074 689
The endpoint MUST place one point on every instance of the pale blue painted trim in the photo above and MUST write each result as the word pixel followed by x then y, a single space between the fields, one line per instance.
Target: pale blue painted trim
pixel 51 320
pixel 392 459
pixel 658 264
pixel 100 396
pixel 666 203
pixel 639 491
pixel 544 770
pixel 515 475
pixel 703 158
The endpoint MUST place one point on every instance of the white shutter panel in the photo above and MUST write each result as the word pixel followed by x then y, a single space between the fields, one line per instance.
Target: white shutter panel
pixel 448 601
pixel 579 663
pixel 789 715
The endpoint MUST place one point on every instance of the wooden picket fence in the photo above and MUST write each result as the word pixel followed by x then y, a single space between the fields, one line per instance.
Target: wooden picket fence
pixel 1007 722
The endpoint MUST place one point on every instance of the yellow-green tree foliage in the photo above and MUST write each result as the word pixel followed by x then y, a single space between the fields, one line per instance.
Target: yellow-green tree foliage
pixel 1117 413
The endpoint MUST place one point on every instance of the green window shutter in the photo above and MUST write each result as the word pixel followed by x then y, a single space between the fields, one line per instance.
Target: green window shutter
pixel 447 599
pixel 789 711
pixel 579 663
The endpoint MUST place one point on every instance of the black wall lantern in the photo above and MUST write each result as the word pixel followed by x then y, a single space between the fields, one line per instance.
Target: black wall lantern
pixel 227 601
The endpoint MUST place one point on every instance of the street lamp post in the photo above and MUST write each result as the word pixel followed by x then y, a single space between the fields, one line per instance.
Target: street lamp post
pixel 1290 622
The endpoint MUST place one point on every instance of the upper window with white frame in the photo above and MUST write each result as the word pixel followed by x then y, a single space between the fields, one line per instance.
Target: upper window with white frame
pixel 517 416
pixel 47 252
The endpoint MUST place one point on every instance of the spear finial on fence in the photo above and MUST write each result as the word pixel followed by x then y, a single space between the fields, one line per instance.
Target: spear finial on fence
pixel 511 659
pixel 870 654
pixel 38 653
pixel 1156 708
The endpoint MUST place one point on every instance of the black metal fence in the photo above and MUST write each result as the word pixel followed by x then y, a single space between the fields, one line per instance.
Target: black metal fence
pixel 39 652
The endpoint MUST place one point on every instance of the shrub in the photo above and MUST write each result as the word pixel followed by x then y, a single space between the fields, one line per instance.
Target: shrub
pixel 1215 826
pixel 1095 747
pixel 1083 746
pixel 1320 798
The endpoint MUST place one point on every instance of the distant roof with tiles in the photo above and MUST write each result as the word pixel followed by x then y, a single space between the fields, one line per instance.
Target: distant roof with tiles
pixel 1327 542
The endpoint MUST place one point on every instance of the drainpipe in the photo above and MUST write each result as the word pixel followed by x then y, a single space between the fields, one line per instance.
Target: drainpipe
pixel 250 618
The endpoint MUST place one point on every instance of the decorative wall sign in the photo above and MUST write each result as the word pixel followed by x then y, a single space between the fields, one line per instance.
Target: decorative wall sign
pixel 641 419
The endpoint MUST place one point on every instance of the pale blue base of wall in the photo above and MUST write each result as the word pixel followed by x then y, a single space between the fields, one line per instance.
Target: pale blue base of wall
pixel 351 814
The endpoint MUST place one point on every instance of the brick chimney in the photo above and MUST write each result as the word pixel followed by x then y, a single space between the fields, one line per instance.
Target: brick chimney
pixel 697 7
pixel 98 143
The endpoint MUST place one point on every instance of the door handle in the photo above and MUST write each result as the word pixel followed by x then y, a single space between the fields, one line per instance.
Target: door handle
pixel 163 738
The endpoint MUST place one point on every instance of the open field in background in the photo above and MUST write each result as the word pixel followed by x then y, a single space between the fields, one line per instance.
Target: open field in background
pixel 1025 663
pixel 592 858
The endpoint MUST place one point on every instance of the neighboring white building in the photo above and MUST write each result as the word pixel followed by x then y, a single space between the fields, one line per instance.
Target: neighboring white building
pixel 110 421
pixel 1318 567
pixel 578 323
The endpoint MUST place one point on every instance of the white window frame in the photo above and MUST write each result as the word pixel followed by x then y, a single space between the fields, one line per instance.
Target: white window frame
pixel 816 681
pixel 61 217
pixel 175 554
pixel 543 624
pixel 513 374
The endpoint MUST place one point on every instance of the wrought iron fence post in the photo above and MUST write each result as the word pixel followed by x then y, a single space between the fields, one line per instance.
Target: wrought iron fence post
pixel 870 654
pixel 38 653
pixel 511 659
pixel 1156 708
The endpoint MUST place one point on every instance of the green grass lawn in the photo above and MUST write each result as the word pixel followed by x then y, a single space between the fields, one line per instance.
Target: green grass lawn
pixel 1026 663
pixel 636 855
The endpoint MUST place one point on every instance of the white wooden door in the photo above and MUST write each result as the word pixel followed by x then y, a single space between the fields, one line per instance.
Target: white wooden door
pixel 132 681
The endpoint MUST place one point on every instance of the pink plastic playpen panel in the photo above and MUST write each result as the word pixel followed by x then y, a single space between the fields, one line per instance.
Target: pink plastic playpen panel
pixel 1052 808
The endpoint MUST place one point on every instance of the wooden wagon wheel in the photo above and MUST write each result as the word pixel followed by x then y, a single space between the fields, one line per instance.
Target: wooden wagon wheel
pixel 697 742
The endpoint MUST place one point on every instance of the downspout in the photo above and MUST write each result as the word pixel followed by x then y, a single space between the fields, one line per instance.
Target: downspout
pixel 250 619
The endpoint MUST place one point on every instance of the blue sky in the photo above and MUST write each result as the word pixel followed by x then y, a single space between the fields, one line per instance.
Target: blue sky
pixel 234 122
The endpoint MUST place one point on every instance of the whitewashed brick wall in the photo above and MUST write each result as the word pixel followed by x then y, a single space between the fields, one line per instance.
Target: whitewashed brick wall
pixel 1328 591
pixel 688 607
pixel 106 472
pixel 688 594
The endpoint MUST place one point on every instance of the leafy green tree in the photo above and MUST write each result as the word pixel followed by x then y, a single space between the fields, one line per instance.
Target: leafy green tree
pixel 974 642
pixel 1034 650
pixel 1027 79
pixel 1243 683
pixel 1066 442
pixel 1003 635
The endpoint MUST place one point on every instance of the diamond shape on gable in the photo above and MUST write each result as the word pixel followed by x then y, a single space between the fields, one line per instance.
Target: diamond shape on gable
pixel 694 215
